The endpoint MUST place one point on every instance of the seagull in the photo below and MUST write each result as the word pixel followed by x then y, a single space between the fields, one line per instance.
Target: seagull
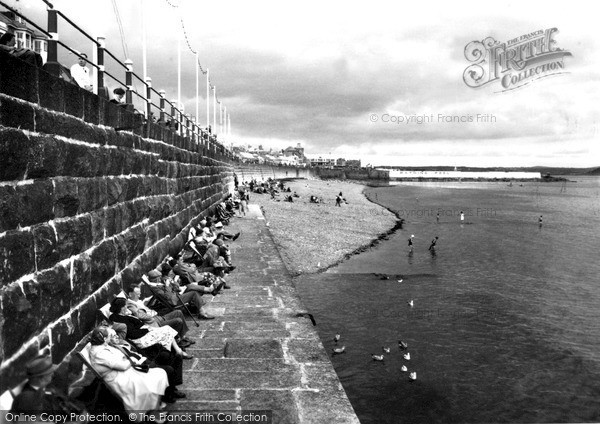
pixel 386 349
pixel 407 356
pixel 411 303
pixel 377 357
pixel 404 369
pixel 319 264
pixel 267 224
pixel 338 350
pixel 402 345
pixel 412 376
pixel 336 338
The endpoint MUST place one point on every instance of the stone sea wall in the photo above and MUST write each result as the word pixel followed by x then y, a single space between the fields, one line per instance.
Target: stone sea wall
pixel 85 210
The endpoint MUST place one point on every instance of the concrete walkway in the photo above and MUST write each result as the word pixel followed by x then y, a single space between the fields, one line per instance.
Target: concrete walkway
pixel 258 354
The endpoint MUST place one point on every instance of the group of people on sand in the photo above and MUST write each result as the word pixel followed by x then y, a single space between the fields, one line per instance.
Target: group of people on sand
pixel 139 349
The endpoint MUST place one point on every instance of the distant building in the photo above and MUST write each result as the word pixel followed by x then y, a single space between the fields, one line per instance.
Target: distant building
pixel 321 160
pixel 26 38
pixel 297 151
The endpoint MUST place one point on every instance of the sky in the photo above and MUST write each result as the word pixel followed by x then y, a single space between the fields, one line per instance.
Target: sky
pixel 376 81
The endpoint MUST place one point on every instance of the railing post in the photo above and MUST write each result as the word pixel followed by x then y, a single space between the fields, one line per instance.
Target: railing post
pixel 187 125
pixel 174 124
pixel 52 65
pixel 148 99
pixel 129 81
pixel 100 53
pixel 162 106
pixel 148 105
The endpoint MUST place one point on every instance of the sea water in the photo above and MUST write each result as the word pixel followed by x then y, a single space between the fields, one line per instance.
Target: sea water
pixel 505 322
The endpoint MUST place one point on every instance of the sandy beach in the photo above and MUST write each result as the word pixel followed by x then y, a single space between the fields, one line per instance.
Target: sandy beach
pixel 313 237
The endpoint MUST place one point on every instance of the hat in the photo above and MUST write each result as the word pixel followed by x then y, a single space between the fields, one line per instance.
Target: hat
pixel 218 242
pixel 40 366
pixel 154 275
pixel 219 225
pixel 117 305
pixel 119 91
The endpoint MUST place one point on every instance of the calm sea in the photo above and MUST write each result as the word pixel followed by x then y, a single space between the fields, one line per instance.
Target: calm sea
pixel 505 325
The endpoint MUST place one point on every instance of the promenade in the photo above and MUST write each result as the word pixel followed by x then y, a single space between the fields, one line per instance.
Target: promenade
pixel 258 354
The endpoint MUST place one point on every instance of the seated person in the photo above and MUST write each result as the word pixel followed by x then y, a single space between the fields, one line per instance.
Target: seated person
pixel 118 94
pixel 226 234
pixel 170 290
pixel 34 397
pixel 7 44
pixel 140 392
pixel 174 319
pixel 142 335
pixel 172 364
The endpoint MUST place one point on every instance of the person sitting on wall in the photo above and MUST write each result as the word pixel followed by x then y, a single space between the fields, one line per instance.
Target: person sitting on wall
pixel 118 97
pixel 81 73
pixel 7 44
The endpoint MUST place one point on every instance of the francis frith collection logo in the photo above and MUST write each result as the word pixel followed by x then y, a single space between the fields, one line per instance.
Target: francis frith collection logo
pixel 516 62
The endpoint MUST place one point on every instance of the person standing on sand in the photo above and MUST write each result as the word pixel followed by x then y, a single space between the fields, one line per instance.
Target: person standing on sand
pixel 462 217
pixel 437 218
pixel 540 220
pixel 410 242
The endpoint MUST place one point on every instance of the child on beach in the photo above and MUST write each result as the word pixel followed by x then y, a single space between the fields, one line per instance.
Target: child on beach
pixel 410 242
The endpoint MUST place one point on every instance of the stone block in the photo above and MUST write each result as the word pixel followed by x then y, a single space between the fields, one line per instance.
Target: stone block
pixel 66 197
pixel 115 192
pixel 16 78
pixel 14 154
pixel 83 161
pixel 17 114
pixel 93 194
pixel 55 290
pixel 103 262
pixel 46 157
pixel 65 335
pixel 74 235
pixel 87 315
pixel 16 255
pixel 46 248
pixel 24 309
pixel 51 93
pixel 73 100
pixel 245 348
pixel 281 403
pixel 98 225
pixel 91 103
pixel 10 210
pixel 81 275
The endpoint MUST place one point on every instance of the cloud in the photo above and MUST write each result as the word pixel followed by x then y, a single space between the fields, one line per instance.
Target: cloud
pixel 313 72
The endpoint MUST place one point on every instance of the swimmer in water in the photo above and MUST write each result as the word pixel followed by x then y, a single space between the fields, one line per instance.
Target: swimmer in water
pixel 433 242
